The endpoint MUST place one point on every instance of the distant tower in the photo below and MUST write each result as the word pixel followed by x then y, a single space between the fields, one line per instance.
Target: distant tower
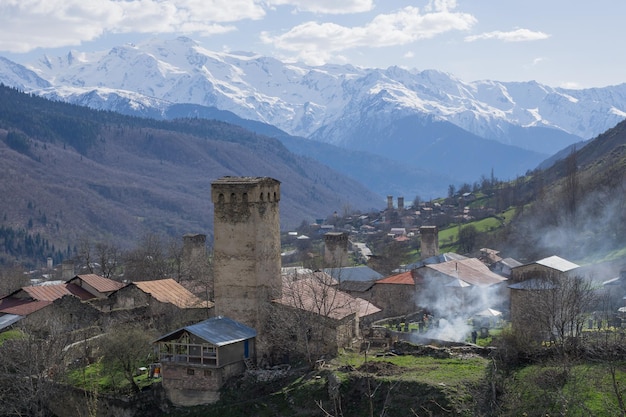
pixel 389 202
pixel 246 248
pixel 194 246
pixel 67 270
pixel 335 249
pixel 194 262
pixel 400 203
pixel 429 241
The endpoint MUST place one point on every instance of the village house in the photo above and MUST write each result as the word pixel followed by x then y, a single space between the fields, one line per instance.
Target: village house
pixel 197 360
pixel 44 303
pixel 395 294
pixel 329 318
pixel 532 280
pixel 165 299
pixel 466 285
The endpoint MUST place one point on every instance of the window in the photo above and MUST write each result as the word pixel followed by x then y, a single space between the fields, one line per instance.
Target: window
pixel 191 371
pixel 207 372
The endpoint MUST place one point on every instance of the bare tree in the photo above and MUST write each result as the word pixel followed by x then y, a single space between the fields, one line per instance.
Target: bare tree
pixel 30 368
pixel 556 307
pixel 109 258
pixel 148 261
pixel 12 279
pixel 312 318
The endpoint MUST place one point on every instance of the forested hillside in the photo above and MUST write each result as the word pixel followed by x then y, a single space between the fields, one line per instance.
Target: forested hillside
pixel 68 171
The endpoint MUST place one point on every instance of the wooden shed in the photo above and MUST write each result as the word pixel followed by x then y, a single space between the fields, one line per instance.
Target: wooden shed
pixel 197 360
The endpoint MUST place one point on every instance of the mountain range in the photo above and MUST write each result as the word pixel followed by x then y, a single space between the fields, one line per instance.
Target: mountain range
pixel 69 172
pixel 428 127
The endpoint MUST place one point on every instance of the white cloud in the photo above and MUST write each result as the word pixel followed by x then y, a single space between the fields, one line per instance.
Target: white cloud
pixel 327 6
pixel 29 24
pixel 409 55
pixel 518 35
pixel 316 42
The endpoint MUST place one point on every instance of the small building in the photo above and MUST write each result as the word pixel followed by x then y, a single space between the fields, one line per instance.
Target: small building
pixel 395 294
pixel 98 286
pixel 197 360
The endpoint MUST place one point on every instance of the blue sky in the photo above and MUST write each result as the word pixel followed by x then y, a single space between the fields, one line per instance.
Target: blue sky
pixel 562 43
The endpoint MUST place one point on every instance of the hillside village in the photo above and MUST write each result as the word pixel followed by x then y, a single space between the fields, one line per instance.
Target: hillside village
pixel 254 308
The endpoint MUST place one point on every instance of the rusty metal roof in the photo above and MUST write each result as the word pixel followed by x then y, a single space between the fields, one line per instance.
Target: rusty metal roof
pixel 100 283
pixel 471 271
pixel 316 293
pixel 169 291
pixel 403 278
pixel 56 291
pixel 21 307
pixel 218 331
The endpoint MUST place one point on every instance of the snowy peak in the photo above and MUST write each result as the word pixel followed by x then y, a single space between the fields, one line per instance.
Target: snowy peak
pixel 312 101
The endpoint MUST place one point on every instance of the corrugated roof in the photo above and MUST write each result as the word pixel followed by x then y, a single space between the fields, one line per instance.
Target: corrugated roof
pixel 356 286
pixel 353 273
pixel 470 270
pixel 218 331
pixel 9 319
pixel 403 278
pixel 557 263
pixel 169 291
pixel 22 307
pixel 100 283
pixel 56 291
pixel 314 293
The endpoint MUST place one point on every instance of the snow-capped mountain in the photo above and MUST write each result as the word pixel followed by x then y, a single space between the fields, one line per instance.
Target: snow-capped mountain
pixel 356 108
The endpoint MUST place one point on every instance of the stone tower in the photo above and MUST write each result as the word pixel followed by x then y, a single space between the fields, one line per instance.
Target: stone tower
pixel 335 249
pixel 246 248
pixel 429 241
pixel 389 202
pixel 400 203
pixel 194 246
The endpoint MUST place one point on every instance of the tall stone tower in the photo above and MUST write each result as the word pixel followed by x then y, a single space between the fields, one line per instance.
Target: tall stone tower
pixel 389 202
pixel 246 248
pixel 429 245
pixel 335 249
pixel 400 203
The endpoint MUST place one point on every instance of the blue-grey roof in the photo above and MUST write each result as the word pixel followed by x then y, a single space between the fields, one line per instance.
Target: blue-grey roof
pixel 218 331
pixel 8 319
pixel 353 273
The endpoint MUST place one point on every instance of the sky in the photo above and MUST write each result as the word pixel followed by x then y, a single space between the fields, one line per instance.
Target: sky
pixel 561 43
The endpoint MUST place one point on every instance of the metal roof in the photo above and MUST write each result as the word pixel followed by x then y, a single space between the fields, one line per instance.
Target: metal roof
pixel 56 291
pixel 353 273
pixel 21 307
pixel 557 263
pixel 101 284
pixel 218 331
pixel 403 278
pixel 470 270
pixel 169 291
pixel 311 293
pixel 9 319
